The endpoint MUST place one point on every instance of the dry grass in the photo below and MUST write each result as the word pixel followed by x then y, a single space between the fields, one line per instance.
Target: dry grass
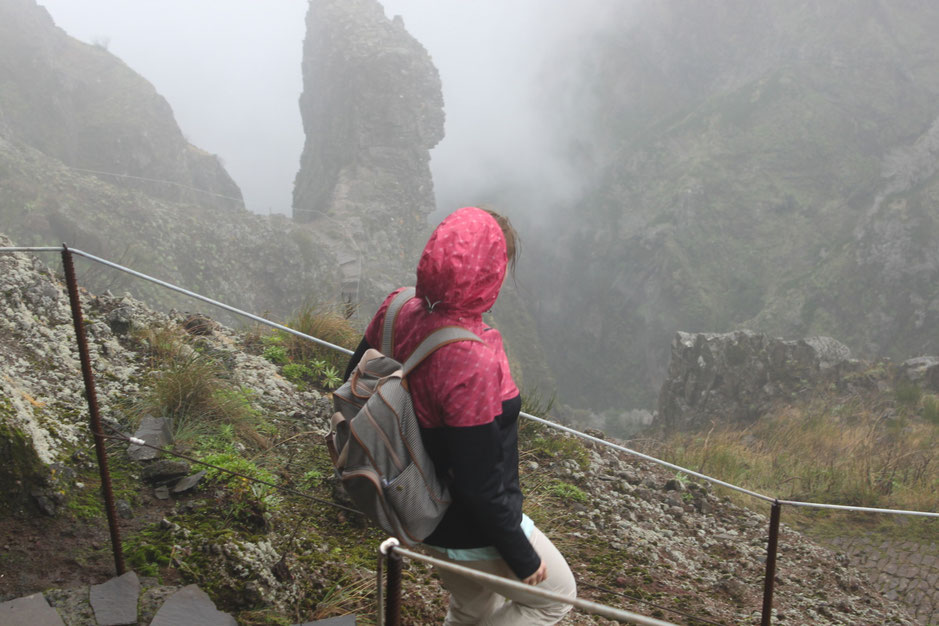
pixel 162 344
pixel 324 323
pixel 861 452
pixel 192 389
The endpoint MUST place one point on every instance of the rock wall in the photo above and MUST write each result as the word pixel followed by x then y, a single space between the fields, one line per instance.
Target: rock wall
pixel 732 377
pixel 372 109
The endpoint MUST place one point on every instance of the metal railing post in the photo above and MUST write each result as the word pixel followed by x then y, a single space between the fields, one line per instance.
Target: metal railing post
pixel 769 581
pixel 393 597
pixel 92 398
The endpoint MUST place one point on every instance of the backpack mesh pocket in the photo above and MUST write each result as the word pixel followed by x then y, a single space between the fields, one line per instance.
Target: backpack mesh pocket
pixel 407 493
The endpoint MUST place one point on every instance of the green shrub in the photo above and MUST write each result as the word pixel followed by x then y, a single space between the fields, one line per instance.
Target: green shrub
pixel 276 354
pixel 297 373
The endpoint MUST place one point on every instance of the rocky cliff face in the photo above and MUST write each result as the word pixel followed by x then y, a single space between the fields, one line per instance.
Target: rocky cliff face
pixel 372 109
pixel 84 107
pixel 90 155
pixel 764 165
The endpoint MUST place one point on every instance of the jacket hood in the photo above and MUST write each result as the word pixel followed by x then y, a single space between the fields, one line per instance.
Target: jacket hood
pixel 463 264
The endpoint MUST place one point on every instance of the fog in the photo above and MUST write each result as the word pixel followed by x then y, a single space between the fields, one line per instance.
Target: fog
pixel 230 69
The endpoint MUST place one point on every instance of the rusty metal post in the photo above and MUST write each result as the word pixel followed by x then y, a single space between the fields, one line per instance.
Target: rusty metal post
pixel 770 579
pixel 393 597
pixel 92 398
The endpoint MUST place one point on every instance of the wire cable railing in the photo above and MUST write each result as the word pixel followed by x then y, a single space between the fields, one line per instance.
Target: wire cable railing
pixel 392 548
pixel 186 292
pixel 159 180
pixel 776 503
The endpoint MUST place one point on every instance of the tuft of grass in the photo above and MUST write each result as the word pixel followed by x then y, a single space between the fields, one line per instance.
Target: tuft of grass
pixel 347 595
pixel 536 404
pixel 162 344
pixel 194 393
pixel 194 390
pixel 325 323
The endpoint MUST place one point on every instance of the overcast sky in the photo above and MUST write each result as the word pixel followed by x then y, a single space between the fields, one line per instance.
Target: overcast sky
pixel 230 69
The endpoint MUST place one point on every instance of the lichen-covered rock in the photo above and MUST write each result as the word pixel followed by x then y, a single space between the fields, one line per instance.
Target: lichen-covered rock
pixel 733 377
pixel 923 371
pixel 43 411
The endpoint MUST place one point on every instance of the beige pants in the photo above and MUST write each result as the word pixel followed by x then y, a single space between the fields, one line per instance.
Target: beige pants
pixel 473 602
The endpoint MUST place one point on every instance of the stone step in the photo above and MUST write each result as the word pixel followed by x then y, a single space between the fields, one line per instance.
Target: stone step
pixel 31 610
pixel 116 603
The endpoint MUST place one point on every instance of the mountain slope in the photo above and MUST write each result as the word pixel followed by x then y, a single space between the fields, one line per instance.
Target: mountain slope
pixel 635 535
pixel 751 153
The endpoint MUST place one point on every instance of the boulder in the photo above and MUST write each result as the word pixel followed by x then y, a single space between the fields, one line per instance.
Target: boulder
pixel 734 377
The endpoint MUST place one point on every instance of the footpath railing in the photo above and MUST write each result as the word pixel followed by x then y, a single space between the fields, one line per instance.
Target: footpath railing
pixel 390 552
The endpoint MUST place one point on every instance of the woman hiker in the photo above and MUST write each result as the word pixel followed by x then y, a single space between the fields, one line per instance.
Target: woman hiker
pixel 467 406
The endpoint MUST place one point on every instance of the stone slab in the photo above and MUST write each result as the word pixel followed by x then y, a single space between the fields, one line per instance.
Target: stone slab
pixel 164 470
pixel 190 606
pixel 189 482
pixel 29 611
pixel 115 601
pixel 155 431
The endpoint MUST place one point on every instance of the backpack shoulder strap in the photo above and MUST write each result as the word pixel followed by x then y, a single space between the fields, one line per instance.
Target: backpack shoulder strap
pixel 391 314
pixel 437 339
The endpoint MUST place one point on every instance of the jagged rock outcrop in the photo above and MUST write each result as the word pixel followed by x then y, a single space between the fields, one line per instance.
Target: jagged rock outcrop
pixel 83 106
pixel 734 377
pixel 372 109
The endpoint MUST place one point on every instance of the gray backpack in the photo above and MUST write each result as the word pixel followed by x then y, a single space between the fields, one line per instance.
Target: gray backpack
pixel 375 440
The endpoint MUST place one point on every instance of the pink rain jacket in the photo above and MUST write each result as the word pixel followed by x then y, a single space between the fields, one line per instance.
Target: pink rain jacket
pixel 460 274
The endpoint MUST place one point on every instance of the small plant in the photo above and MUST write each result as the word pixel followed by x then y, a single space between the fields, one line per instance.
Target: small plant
pixel 567 491
pixel 330 377
pixel 276 354
pixel 244 500
pixel 311 479
pixel 297 373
